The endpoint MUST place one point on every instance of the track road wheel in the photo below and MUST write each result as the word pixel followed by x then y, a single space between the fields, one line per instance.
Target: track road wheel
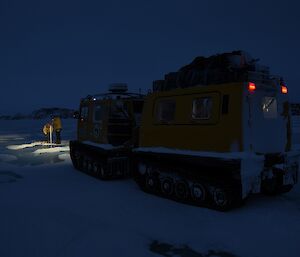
pixel 90 166
pixel 167 186
pixel 181 190
pixel 222 199
pixel 95 168
pixel 198 193
pixel 102 173
pixel 150 182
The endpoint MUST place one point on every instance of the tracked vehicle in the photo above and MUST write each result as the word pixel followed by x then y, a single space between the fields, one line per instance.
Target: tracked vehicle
pixel 209 134
pixel 108 127
pixel 216 131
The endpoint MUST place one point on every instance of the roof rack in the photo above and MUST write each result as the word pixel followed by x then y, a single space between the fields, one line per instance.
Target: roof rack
pixel 112 95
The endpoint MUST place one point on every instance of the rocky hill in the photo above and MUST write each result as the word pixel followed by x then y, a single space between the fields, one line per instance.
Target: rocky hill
pixel 42 113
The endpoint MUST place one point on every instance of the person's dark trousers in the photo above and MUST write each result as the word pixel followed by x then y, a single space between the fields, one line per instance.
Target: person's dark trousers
pixel 47 138
pixel 58 138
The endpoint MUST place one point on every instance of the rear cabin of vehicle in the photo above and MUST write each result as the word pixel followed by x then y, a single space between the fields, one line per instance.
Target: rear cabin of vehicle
pixel 215 144
pixel 207 118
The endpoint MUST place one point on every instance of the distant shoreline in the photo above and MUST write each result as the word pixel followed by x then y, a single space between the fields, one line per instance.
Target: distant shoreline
pixel 42 113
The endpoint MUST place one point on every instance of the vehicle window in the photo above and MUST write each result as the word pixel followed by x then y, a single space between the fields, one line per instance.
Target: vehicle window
pixel 165 111
pixel 202 108
pixel 269 107
pixel 84 112
pixel 119 109
pixel 98 113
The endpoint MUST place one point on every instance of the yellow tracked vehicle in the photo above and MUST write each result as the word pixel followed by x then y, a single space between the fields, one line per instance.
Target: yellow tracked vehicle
pixel 108 128
pixel 210 134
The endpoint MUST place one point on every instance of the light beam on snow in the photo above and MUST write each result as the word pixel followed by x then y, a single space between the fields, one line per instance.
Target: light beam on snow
pixel 52 150
pixel 33 144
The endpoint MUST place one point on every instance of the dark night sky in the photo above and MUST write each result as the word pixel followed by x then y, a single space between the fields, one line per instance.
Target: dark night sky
pixel 52 53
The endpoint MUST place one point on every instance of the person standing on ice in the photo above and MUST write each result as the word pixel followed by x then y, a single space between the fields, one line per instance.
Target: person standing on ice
pixel 56 121
pixel 47 129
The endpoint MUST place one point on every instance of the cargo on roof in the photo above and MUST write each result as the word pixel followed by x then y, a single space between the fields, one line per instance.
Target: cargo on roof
pixel 222 68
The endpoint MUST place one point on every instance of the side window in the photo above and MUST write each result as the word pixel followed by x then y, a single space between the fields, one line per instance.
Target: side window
pixel 84 112
pixel 165 111
pixel 269 107
pixel 98 113
pixel 202 108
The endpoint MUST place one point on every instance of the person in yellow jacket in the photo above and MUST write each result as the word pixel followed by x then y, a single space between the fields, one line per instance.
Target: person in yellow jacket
pixel 56 121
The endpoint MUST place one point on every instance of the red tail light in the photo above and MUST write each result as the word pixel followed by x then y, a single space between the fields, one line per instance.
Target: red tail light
pixel 251 87
pixel 284 89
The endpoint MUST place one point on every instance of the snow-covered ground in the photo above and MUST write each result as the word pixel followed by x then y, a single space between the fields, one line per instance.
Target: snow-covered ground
pixel 49 209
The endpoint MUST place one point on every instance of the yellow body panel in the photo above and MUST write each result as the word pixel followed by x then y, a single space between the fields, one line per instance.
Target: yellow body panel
pixel 87 126
pixel 220 133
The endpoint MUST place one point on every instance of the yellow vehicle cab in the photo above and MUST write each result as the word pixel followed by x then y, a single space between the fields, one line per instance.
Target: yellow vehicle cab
pixel 108 127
